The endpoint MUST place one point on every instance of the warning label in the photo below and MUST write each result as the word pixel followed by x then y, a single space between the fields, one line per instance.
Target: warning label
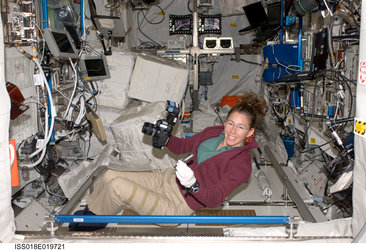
pixel 360 127
pixel 362 73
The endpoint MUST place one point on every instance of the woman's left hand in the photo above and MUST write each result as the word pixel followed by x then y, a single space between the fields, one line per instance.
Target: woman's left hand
pixel 184 174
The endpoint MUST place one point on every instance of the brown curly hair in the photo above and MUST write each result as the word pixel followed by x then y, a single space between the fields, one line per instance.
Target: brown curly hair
pixel 251 105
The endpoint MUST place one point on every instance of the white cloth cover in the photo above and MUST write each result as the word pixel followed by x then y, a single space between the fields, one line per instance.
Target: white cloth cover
pixel 158 79
pixel 7 224
pixel 359 175
pixel 134 145
pixel 340 227
pixel 71 181
pixel 107 116
pixel 113 91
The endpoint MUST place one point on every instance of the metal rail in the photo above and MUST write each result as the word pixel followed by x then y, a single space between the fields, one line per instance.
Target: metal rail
pixel 303 209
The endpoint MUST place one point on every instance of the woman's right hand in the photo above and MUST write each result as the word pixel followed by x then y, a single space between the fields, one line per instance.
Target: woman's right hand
pixel 184 174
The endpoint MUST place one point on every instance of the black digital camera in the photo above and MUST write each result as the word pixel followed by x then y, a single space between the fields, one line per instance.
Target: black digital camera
pixel 163 128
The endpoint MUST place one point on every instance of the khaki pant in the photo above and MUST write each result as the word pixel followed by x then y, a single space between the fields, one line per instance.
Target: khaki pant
pixel 146 193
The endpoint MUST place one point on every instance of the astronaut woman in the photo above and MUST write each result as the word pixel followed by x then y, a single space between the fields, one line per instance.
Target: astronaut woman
pixel 220 164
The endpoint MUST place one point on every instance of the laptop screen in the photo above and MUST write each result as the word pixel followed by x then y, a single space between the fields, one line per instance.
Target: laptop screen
pixel 256 14
pixel 319 57
pixel 274 14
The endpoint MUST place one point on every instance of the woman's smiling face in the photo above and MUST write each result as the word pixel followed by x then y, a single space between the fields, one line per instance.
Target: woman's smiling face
pixel 236 129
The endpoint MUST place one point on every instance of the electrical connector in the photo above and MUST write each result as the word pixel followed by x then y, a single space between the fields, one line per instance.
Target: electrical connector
pixel 38 80
pixel 39 143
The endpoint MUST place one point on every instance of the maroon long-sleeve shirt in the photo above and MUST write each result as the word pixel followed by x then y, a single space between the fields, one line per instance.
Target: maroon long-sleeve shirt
pixel 219 175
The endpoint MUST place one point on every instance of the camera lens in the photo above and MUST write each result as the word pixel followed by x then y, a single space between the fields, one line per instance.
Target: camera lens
pixel 148 128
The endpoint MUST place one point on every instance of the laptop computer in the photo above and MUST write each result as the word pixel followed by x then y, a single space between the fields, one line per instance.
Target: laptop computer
pixel 274 23
pixel 256 16
pixel 318 62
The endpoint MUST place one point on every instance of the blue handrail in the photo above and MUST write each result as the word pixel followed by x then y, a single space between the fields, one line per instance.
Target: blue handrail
pixel 44 14
pixel 281 22
pixel 82 17
pixel 299 58
pixel 172 219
